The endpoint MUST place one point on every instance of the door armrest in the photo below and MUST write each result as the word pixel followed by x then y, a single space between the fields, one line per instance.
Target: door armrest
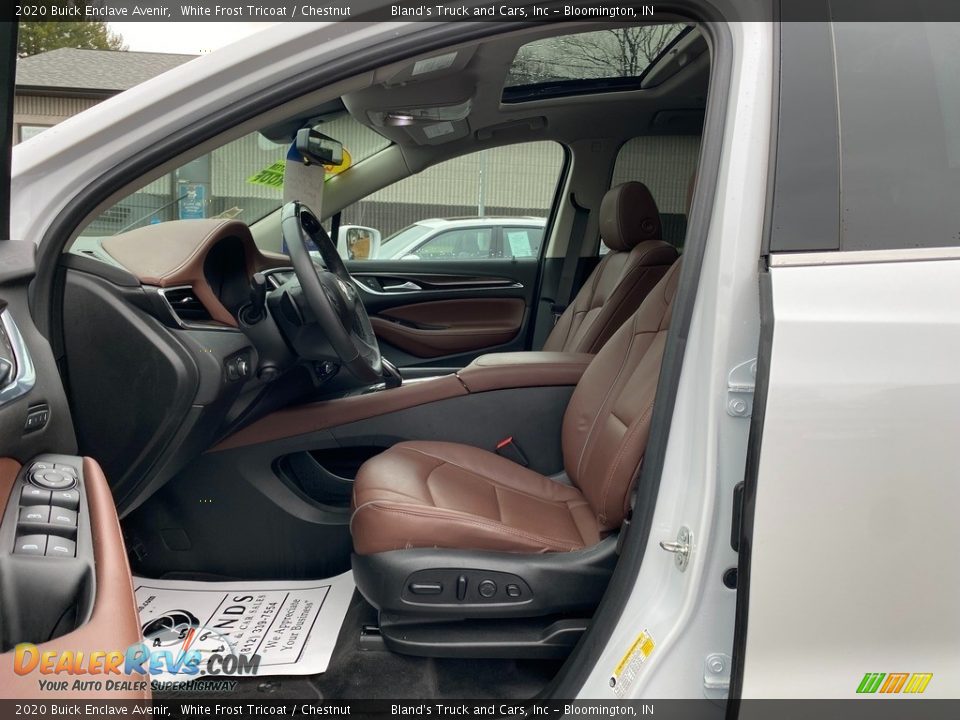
pixel 498 371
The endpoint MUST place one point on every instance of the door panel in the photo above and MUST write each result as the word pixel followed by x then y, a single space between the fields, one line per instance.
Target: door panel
pixel 858 464
pixel 63 585
pixel 444 313
pixel 448 327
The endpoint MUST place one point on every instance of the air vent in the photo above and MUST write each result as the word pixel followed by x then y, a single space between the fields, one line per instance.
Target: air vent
pixel 186 305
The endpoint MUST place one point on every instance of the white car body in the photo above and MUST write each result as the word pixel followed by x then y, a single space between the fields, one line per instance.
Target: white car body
pixel 406 244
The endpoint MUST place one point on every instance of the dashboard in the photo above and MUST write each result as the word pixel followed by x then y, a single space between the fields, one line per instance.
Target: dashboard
pixel 153 314
pixel 201 267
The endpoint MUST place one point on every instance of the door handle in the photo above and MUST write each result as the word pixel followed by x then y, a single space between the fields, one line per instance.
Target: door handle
pixel 409 285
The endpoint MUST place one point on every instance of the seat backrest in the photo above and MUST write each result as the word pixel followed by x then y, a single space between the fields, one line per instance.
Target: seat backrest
pixel 607 423
pixel 638 258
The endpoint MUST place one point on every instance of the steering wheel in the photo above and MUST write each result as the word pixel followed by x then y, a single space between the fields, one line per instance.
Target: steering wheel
pixel 331 294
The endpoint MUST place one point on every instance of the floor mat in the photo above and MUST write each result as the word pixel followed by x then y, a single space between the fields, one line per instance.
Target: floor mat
pixel 291 625
pixel 358 673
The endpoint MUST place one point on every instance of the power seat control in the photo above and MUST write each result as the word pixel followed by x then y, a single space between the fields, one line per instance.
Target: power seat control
pixel 466 587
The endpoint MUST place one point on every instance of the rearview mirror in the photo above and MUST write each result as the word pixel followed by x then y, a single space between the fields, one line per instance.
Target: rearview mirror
pixel 315 147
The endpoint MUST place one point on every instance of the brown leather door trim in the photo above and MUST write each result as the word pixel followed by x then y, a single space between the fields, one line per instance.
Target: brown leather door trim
pixel 311 417
pixel 447 327
pixel 114 623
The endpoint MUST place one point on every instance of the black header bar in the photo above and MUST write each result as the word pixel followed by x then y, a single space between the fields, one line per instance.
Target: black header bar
pixel 613 11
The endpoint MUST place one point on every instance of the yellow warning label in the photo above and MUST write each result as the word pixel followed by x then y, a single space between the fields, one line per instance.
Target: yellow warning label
pixel 628 668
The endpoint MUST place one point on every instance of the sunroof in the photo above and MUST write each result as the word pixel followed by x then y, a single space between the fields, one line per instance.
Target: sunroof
pixel 614 59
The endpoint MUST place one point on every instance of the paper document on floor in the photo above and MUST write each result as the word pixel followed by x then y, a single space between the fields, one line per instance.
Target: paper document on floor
pixel 195 630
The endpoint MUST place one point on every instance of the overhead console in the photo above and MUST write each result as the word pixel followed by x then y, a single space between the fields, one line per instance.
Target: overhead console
pixel 64 579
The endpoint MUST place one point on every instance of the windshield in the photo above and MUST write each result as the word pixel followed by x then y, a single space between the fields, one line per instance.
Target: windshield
pixel 242 179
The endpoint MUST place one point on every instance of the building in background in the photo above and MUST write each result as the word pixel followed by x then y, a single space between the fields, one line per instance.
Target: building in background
pixel 55 85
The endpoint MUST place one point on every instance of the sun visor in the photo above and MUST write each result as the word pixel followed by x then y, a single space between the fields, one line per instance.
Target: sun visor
pixel 303 182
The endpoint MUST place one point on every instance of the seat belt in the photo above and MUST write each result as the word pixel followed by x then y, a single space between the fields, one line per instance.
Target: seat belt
pixel 571 259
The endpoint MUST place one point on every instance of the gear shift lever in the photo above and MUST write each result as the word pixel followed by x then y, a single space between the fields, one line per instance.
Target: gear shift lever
pixel 391 375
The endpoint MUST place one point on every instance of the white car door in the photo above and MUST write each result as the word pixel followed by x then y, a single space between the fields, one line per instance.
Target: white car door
pixel 849 580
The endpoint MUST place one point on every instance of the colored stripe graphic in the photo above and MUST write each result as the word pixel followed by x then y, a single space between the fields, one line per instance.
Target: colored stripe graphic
pixel 870 682
pixel 918 682
pixel 894 683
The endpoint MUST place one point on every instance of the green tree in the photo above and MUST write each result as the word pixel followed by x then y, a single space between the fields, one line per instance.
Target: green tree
pixel 44 35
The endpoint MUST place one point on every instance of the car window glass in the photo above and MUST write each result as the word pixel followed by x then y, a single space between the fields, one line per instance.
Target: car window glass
pixel 899 107
pixel 469 243
pixel 665 164
pixel 522 242
pixel 242 179
pixel 433 215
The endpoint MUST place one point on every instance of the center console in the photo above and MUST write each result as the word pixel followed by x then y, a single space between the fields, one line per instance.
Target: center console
pixel 487 374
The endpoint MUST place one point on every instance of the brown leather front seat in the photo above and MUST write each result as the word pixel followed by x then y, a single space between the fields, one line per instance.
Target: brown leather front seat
pixel 445 495
pixel 638 258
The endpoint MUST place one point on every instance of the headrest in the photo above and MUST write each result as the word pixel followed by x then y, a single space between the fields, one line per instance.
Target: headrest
pixel 628 216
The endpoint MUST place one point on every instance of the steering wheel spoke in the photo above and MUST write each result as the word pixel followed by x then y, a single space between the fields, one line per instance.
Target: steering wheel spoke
pixel 331 294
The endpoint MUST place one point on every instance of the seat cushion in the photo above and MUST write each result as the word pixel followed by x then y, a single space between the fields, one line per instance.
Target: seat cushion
pixel 447 495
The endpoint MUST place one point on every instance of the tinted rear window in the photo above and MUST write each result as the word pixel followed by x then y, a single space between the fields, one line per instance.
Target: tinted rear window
pixel 898 90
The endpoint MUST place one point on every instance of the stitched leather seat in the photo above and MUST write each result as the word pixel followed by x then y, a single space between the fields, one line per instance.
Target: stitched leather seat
pixel 638 258
pixel 446 495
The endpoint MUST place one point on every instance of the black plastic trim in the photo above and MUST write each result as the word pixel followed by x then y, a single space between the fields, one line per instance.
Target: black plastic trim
pixel 533 309
pixel 749 495
pixel 8 64
pixel 515 638
pixel 806 194
pixel 112 273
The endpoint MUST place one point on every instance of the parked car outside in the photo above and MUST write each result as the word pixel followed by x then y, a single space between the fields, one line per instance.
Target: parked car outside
pixel 466 238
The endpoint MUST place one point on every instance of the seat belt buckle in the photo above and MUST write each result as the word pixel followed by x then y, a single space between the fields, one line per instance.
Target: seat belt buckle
pixel 511 451
pixel 557 311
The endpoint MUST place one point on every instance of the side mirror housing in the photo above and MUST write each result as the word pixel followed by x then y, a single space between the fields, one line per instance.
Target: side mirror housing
pixel 356 242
